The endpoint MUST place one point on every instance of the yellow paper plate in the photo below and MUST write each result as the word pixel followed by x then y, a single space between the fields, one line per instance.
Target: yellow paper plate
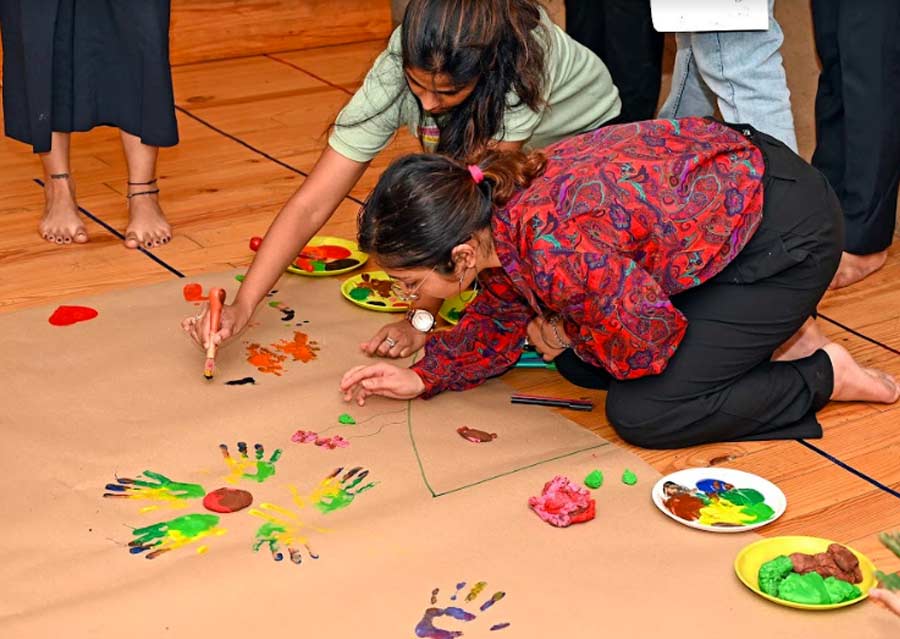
pixel 751 557
pixel 328 256
pixel 372 291
pixel 453 306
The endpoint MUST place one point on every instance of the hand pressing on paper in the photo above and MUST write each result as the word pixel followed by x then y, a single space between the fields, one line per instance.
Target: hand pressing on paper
pixel 382 379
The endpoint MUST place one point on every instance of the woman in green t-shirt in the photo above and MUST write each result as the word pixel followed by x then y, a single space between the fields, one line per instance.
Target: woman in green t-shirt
pixel 462 75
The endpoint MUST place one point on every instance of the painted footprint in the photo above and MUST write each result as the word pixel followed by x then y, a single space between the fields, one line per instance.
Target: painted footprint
pixel 162 490
pixel 426 627
pixel 176 533
pixel 239 466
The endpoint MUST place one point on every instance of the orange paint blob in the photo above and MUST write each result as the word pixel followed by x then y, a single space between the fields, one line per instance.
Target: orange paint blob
pixel 193 292
pixel 265 360
pixel 300 348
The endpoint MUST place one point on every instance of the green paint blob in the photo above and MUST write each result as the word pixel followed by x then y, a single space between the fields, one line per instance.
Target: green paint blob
pixel 594 479
pixel 840 590
pixel 629 478
pixel 264 469
pixel 804 589
pixel 179 490
pixel 338 500
pixel 239 278
pixel 344 418
pixel 359 294
pixel 268 534
pixel 274 304
pixel 743 496
pixel 318 266
pixel 772 572
pixel 759 512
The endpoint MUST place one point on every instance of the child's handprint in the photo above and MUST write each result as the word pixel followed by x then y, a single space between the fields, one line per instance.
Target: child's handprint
pixel 162 489
pixel 171 535
pixel 426 628
pixel 240 465
pixel 334 494
pixel 283 527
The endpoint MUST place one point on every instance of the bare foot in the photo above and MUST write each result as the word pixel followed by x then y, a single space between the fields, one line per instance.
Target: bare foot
pixel 854 383
pixel 803 343
pixel 61 223
pixel 147 226
pixel 854 268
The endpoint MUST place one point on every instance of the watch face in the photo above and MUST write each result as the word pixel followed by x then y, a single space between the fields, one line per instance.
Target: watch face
pixel 422 320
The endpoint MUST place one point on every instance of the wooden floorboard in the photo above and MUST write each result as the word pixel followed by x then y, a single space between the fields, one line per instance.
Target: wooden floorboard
pixel 218 192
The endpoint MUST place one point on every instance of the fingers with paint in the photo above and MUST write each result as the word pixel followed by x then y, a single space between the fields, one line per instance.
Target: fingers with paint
pixel 426 627
pixel 173 534
pixel 283 528
pixel 161 489
pixel 239 466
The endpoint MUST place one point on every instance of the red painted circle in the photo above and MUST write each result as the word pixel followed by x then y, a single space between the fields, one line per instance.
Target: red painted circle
pixel 227 500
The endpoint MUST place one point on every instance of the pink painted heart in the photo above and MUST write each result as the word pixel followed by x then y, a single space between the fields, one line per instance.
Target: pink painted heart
pixel 66 315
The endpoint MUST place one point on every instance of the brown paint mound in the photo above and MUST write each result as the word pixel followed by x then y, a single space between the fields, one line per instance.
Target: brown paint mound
pixel 836 562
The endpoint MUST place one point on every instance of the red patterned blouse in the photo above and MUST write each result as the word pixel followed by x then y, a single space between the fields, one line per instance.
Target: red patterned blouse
pixel 623 218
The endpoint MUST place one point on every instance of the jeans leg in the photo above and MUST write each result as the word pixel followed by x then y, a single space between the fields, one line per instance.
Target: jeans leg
pixel 746 72
pixel 689 95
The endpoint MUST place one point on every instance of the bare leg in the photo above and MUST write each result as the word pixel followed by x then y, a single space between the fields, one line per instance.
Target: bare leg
pixel 803 343
pixel 855 268
pixel 147 225
pixel 854 383
pixel 61 223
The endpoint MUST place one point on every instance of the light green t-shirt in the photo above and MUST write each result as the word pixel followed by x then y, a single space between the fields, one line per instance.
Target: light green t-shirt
pixel 579 95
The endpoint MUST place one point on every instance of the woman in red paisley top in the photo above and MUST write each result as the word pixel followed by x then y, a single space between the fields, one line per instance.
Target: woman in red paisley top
pixel 676 263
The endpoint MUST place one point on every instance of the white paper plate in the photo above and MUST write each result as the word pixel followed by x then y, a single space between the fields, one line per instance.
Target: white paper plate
pixel 739 479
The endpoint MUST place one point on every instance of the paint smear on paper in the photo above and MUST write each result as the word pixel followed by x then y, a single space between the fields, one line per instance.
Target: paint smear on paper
pixel 156 488
pixel 193 292
pixel 283 529
pixel 264 360
pixel 176 533
pixel 310 437
pixel 240 467
pixel 68 315
pixel 300 348
pixel 271 358
pixel 428 626
pixel 227 500
pixel 241 382
pixel 475 436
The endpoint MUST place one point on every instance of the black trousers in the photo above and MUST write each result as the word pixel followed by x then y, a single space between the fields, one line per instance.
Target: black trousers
pixel 621 33
pixel 720 384
pixel 71 65
pixel 858 114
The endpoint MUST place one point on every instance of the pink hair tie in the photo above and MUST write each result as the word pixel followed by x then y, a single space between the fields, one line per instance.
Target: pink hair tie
pixel 476 173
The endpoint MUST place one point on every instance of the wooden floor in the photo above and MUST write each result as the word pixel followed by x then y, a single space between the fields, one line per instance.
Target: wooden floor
pixel 252 125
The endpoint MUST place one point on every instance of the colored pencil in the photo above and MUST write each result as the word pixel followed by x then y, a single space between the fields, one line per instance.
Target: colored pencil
pixel 556 402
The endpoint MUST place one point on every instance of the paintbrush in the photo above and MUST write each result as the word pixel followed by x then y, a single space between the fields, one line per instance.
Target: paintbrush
pixel 216 300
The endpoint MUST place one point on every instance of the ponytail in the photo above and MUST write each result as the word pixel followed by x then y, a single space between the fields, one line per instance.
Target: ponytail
pixel 426 204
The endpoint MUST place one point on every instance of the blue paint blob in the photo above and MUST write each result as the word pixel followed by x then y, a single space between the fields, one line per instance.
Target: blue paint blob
pixel 500 626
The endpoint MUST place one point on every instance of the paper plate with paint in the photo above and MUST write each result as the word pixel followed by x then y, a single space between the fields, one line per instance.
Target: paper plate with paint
pixel 372 291
pixel 325 255
pixel 719 499
pixel 452 308
pixel 813 573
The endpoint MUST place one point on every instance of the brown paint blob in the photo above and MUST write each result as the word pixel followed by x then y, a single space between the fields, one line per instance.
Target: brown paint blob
pixel 227 500
pixel 475 436
pixel 685 506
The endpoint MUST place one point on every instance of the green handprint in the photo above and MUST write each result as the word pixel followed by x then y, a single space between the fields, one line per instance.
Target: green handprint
pixel 334 494
pixel 240 465
pixel 162 489
pixel 283 527
pixel 173 534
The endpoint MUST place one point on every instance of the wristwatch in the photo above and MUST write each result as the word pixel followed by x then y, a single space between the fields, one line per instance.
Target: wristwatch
pixel 421 320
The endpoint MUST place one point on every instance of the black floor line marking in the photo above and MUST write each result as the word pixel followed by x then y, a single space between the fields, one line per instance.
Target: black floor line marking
pixel 250 147
pixel 850 469
pixel 273 56
pixel 115 232
pixel 860 335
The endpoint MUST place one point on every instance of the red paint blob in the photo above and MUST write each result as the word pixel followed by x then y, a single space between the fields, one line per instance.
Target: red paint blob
pixel 193 292
pixel 255 243
pixel 227 500
pixel 66 315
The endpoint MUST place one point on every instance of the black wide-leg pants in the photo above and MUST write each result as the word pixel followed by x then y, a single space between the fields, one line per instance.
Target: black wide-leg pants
pixel 858 115
pixel 720 384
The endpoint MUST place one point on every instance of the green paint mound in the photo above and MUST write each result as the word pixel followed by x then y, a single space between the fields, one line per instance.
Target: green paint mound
pixel 274 304
pixel 239 278
pixel 629 478
pixel 344 418
pixel 778 579
pixel 359 294
pixel 594 479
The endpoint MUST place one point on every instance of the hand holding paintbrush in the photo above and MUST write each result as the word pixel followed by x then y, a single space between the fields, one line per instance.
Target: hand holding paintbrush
pixel 216 301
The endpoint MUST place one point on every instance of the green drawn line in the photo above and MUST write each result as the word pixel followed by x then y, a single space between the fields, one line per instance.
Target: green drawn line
pixel 412 440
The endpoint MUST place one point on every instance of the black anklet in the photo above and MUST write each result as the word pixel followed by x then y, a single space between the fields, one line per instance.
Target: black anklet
pixel 59 176
pixel 153 181
pixel 152 192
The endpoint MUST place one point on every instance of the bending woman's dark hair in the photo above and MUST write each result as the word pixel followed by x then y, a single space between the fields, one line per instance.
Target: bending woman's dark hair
pixel 426 204
pixel 492 41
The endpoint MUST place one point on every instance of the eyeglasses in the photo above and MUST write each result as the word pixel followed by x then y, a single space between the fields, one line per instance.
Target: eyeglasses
pixel 400 289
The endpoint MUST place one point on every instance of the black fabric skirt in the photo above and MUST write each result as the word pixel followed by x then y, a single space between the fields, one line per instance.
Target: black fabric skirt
pixel 71 65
